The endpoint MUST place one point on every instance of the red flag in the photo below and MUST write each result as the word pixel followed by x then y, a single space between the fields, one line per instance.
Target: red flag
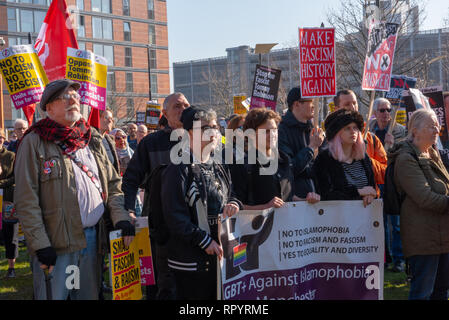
pixel 56 35
pixel 29 113
pixel 94 118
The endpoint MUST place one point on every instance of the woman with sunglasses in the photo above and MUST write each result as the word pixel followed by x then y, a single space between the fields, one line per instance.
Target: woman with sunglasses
pixel 124 152
pixel 379 126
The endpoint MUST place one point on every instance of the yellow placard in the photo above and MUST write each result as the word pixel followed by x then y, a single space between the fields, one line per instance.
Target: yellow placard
pixel 331 106
pixel 145 256
pixel 238 106
pixel 125 269
pixel 401 117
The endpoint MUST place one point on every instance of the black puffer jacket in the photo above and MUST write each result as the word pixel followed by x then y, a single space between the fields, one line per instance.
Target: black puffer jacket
pixel 294 138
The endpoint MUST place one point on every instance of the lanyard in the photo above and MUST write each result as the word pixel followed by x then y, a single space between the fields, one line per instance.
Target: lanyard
pixel 84 168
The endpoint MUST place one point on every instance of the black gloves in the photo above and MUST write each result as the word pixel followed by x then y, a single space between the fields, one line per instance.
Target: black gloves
pixel 46 256
pixel 127 228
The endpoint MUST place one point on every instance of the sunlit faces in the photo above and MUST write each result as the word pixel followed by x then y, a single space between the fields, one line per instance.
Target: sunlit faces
pixel 174 110
pixel 348 102
pixel 303 110
pixel 382 113
pixel 106 121
pixel 66 109
pixel 349 134
pixel 429 133
pixel 120 140
pixel 267 136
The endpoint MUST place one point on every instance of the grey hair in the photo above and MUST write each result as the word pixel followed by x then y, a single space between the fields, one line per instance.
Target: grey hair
pixel 18 120
pixel 169 97
pixel 418 121
pixel 206 116
pixel 380 101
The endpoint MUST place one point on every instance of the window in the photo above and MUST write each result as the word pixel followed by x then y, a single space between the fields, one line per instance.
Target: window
pixel 128 57
pixel 101 6
pixel 111 81
pixel 153 59
pixel 129 106
pixel 125 7
pixel 105 51
pixel 26 21
pixel 150 9
pixel 101 28
pixel 81 45
pixel 81 26
pixel 41 2
pixel 153 78
pixel 80 4
pixel 39 17
pixel 129 81
pixel 12 21
pixel 126 31
pixel 151 34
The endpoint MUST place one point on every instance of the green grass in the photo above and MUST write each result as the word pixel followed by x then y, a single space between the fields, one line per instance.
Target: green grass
pixel 396 286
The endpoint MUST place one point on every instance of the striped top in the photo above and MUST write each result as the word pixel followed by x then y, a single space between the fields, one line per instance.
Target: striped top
pixel 355 174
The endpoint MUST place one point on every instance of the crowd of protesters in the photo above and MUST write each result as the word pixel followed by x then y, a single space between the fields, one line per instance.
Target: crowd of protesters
pixel 71 184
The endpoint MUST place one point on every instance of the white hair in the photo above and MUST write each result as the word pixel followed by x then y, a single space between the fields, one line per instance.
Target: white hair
pixel 20 121
pixel 380 101
pixel 418 120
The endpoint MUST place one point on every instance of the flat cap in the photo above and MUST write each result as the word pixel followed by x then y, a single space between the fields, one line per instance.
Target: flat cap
pixel 54 89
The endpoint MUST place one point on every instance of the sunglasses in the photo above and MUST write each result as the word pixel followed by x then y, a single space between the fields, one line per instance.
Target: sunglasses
pixel 210 128
pixel 383 110
pixel 120 138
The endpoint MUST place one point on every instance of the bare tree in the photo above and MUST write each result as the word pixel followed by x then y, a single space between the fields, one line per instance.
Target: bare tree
pixel 352 38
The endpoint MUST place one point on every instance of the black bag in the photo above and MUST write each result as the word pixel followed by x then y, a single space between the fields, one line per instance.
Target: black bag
pixel 392 198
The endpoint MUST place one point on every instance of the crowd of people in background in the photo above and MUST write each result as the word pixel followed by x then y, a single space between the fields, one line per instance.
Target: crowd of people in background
pixel 74 183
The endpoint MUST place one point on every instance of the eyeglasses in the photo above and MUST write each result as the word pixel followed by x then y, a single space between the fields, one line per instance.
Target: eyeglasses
pixel 120 138
pixel 68 96
pixel 383 110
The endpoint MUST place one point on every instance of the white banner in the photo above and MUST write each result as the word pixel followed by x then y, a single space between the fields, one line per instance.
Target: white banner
pixel 330 250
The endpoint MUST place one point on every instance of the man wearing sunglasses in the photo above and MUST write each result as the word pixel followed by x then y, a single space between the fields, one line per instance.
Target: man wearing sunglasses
pixel 379 126
pixel 383 112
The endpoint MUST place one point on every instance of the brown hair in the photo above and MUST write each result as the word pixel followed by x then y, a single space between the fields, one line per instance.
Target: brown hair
pixel 234 122
pixel 258 116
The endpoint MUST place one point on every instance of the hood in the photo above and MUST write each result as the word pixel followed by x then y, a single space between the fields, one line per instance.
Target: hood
pixel 290 121
pixel 401 147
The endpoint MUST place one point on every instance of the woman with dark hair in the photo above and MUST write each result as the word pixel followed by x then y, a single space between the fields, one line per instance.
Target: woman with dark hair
pixel 344 171
pixel 193 196
pixel 267 181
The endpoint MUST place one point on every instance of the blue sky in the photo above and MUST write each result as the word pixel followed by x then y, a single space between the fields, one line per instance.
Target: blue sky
pixel 205 28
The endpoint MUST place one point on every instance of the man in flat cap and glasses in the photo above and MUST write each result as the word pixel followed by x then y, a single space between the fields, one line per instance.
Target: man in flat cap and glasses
pixel 64 184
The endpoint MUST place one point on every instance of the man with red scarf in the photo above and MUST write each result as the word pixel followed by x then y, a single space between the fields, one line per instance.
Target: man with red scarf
pixel 66 186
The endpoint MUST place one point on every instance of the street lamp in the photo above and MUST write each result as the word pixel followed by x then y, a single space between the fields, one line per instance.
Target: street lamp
pixel 2 121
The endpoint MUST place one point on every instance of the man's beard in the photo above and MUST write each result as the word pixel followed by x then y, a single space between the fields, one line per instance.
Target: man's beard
pixel 72 117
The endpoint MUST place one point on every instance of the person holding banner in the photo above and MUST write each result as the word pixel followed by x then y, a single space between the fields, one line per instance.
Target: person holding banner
pixel 346 99
pixel 300 141
pixel 344 170
pixel 422 179
pixel 63 181
pixel 259 190
pixel 194 194
pixel 10 226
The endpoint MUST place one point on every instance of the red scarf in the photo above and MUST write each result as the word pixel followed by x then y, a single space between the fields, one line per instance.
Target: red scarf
pixel 72 138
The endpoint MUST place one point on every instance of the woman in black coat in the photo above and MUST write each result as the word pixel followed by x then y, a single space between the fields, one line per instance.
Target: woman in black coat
pixel 344 171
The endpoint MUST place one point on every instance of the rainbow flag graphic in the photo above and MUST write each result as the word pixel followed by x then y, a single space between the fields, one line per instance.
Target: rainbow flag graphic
pixel 239 254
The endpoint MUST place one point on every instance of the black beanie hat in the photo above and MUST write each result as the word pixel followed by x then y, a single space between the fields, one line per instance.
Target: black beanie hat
pixel 340 119
pixel 189 115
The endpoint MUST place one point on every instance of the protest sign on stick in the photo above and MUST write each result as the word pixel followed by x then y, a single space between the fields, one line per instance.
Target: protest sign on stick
pixel 152 115
pixel 397 86
pixel 239 108
pixel 90 70
pixel 124 268
pixel 317 62
pixel 265 87
pixel 23 73
pixel 145 256
pixel 330 250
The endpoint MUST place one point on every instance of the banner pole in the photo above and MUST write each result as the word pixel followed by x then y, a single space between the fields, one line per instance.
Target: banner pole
pixel 370 112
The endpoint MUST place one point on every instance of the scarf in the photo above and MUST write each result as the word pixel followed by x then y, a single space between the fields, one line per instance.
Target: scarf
pixel 69 138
